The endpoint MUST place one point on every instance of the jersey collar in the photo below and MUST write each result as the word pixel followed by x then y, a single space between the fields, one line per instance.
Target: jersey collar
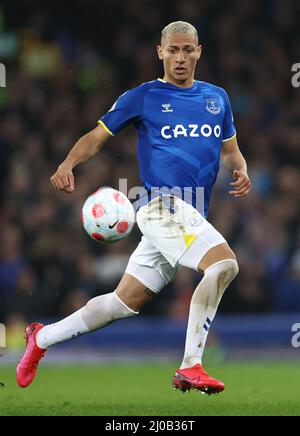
pixel 178 87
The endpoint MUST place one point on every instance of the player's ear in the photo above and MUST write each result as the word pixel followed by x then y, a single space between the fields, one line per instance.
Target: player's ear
pixel 160 52
pixel 199 51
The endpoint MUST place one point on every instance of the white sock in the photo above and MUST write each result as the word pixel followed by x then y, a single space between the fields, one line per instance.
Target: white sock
pixel 98 313
pixel 203 308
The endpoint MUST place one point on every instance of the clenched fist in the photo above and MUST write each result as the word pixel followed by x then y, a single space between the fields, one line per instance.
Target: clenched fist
pixel 63 179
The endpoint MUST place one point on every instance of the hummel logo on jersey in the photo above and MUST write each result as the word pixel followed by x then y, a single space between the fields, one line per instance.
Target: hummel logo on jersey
pixel 167 108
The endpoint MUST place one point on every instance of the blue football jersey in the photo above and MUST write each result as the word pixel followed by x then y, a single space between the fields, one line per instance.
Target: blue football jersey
pixel 181 132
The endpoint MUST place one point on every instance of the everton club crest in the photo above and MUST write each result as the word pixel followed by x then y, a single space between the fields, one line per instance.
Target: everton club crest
pixel 212 106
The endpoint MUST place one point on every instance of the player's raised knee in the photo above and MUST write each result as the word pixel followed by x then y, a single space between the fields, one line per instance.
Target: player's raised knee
pixel 231 266
pixel 226 270
pixel 216 254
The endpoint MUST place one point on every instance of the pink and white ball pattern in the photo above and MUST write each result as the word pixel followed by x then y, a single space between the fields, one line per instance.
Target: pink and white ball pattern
pixel 108 215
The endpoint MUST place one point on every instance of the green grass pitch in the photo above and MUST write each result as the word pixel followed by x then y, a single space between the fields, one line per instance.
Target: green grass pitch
pixel 145 390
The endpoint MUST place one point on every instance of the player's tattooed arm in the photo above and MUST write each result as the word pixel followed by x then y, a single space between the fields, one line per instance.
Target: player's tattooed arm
pixel 234 161
pixel 87 147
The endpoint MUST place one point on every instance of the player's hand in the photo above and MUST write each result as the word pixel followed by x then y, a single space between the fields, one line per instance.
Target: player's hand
pixel 242 184
pixel 63 179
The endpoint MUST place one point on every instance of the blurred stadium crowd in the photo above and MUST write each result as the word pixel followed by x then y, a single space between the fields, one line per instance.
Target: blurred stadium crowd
pixel 65 68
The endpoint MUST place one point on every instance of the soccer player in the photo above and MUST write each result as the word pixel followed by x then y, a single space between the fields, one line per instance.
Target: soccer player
pixel 185 128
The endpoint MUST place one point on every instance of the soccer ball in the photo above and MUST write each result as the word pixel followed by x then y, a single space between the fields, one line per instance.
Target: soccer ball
pixel 108 215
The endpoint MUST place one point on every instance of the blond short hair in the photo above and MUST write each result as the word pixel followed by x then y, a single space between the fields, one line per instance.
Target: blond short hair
pixel 179 27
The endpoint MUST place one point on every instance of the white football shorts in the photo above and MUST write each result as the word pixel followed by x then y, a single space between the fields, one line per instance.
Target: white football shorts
pixel 174 234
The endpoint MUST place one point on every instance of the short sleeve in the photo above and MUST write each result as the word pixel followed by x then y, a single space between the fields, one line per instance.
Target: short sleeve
pixel 126 110
pixel 229 130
